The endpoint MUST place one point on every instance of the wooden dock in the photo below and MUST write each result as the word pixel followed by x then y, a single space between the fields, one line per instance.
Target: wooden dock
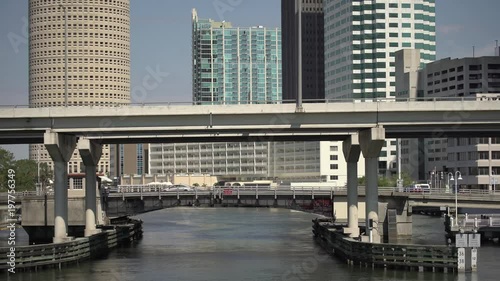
pixel 391 256
pixel 35 257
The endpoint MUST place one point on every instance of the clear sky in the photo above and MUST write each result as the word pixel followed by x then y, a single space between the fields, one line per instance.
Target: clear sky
pixel 161 39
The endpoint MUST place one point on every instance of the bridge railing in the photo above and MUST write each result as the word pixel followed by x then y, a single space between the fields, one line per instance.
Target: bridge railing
pixel 219 189
pixel 246 102
pixel 479 220
pixel 19 195
pixel 361 189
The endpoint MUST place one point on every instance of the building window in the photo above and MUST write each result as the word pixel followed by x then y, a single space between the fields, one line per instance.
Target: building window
pixel 77 183
pixel 334 178
pixel 334 148
pixel 334 166
pixel 475 67
pixel 334 157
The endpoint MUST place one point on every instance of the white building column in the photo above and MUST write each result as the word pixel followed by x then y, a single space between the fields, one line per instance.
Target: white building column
pixel 90 152
pixel 372 141
pixel 60 148
pixel 352 150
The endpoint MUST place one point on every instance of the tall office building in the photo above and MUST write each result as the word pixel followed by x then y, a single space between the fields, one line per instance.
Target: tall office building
pixel 98 59
pixel 128 159
pixel 231 65
pixel 361 38
pixel 477 159
pixel 234 64
pixel 313 54
pixel 225 53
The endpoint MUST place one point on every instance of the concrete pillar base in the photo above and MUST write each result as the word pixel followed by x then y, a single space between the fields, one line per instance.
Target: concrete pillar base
pixel 366 238
pixel 90 232
pixel 352 151
pixel 91 152
pixel 352 232
pixel 58 240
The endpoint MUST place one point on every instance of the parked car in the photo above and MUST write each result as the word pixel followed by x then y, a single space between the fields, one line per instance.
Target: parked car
pixel 418 187
pixel 179 187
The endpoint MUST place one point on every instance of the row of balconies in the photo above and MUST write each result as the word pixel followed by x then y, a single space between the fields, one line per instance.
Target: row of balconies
pixel 208 158
pixel 218 171
pixel 196 166
pixel 214 149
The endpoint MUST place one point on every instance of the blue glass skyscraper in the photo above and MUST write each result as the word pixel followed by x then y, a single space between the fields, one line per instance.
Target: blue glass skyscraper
pixel 234 64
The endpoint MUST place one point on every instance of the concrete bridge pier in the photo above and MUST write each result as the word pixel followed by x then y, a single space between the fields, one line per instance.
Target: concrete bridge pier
pixel 91 153
pixel 352 150
pixel 60 148
pixel 371 142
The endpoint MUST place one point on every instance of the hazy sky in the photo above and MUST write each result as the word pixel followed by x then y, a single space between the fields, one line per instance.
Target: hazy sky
pixel 161 39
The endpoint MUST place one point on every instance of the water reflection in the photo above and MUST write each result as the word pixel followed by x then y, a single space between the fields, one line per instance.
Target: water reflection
pixel 243 244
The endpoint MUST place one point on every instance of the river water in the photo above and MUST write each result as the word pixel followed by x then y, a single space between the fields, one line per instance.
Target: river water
pixel 244 244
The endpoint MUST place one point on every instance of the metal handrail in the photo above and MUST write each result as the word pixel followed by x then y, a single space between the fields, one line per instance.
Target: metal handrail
pixel 274 102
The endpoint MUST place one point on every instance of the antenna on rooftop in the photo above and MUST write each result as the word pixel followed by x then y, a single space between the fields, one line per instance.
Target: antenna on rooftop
pixel 473 51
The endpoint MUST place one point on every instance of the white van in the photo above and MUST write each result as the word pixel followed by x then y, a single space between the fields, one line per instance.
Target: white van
pixel 419 187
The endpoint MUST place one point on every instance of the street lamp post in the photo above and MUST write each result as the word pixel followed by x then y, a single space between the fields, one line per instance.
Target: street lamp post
pixel 493 180
pixel 458 176
pixel 65 55
pixel 39 185
pixel 450 177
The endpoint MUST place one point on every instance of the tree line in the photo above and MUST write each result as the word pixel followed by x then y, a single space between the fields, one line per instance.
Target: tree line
pixel 26 172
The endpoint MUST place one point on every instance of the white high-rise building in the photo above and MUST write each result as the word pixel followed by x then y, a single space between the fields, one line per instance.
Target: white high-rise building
pixel 361 38
pixel 96 35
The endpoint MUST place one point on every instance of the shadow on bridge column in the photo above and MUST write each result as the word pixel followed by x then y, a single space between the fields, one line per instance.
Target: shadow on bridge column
pixel 371 142
pixel 91 153
pixel 60 148
pixel 352 151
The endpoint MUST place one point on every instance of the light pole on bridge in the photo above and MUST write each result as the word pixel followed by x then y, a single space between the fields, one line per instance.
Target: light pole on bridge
pixel 458 176
pixel 450 177
pixel 493 180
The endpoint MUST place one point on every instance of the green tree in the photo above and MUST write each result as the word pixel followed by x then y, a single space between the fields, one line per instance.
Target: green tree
pixel 26 175
pixel 362 181
pixel 46 174
pixel 26 172
pixel 389 182
pixel 386 182
pixel 6 163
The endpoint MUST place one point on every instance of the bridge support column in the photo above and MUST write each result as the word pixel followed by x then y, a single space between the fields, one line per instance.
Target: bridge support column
pixel 352 151
pixel 91 152
pixel 60 148
pixel 371 142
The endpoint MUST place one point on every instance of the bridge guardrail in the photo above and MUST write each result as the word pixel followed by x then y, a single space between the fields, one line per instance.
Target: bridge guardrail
pixel 245 102
pixel 361 189
pixel 470 193
pixel 479 220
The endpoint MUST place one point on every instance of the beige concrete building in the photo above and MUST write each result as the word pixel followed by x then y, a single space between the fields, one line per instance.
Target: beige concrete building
pixel 477 158
pixel 129 159
pixel 97 54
